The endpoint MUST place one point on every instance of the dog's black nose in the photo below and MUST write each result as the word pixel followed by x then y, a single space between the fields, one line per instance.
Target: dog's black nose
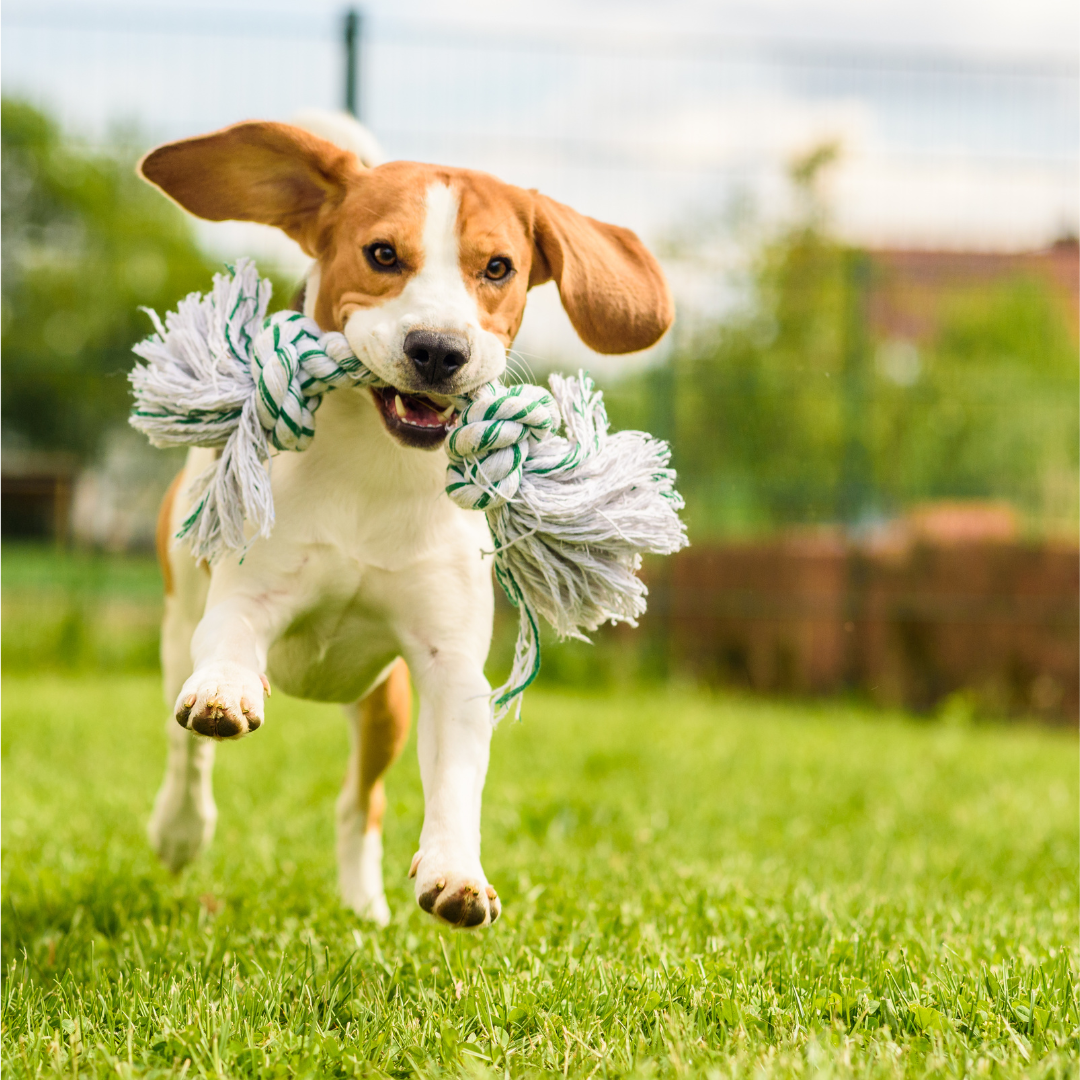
pixel 437 354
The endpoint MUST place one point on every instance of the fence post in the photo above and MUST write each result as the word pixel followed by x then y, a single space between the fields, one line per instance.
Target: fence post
pixel 663 423
pixel 857 499
pixel 354 26
pixel 856 495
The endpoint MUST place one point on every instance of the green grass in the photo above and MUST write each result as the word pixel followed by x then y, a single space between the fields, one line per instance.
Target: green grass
pixel 70 610
pixel 79 611
pixel 692 885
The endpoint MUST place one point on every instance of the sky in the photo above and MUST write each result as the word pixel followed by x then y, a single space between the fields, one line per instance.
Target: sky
pixel 1032 27
pixel 1010 27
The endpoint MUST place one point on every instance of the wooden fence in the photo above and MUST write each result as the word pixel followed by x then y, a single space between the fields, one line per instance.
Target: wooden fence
pixel 907 623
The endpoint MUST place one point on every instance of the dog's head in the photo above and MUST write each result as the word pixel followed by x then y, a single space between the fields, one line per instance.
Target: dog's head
pixel 425 269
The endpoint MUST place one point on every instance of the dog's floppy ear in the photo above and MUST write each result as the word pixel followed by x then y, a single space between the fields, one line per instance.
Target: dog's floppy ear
pixel 272 173
pixel 611 287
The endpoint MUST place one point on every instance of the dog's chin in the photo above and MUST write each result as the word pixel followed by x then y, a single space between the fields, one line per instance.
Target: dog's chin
pixel 415 420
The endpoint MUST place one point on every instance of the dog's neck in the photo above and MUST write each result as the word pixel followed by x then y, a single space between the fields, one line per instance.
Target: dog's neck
pixel 351 433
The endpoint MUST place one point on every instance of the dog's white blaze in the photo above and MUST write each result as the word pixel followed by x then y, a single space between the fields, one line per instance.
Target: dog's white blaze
pixel 434 299
pixel 441 255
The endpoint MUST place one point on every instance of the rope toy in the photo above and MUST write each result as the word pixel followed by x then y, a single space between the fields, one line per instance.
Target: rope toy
pixel 570 515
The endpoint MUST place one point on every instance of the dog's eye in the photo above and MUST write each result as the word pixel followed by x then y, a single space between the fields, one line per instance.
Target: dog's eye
pixel 498 268
pixel 381 255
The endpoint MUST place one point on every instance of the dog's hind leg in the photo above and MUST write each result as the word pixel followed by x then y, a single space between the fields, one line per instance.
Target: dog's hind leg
pixel 184 815
pixel 378 728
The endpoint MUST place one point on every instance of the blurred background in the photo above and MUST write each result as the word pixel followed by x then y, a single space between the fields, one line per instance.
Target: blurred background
pixel 869 217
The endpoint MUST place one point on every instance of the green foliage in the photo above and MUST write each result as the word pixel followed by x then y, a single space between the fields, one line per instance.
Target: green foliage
pixel 789 411
pixel 996 412
pixel 85 243
pixel 691 885
pixel 79 610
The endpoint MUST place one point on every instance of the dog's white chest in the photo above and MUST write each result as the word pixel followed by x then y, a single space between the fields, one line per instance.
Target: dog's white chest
pixel 374 549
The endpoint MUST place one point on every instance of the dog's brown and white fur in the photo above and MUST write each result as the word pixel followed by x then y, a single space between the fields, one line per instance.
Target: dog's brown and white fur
pixel 370 566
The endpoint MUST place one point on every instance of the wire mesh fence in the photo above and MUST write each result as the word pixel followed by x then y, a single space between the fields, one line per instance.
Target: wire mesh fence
pixel 649 130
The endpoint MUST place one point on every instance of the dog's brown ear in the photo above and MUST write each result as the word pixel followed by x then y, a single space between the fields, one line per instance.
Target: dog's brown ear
pixel 611 287
pixel 272 173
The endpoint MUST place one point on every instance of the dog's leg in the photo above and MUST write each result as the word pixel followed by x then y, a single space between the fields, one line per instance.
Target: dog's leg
pixel 247 608
pixel 184 815
pixel 453 740
pixel 378 728
pixel 223 696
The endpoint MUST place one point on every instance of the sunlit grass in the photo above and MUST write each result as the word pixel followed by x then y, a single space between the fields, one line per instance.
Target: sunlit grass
pixel 690 884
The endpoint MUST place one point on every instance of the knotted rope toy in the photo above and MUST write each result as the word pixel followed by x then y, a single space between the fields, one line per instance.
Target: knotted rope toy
pixel 570 515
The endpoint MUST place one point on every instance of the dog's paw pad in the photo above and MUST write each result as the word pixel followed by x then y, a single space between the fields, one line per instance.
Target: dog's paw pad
pixel 427 899
pixel 223 702
pixel 463 907
pixel 464 900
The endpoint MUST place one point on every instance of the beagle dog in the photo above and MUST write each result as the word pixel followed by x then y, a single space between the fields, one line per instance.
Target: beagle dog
pixel 371 567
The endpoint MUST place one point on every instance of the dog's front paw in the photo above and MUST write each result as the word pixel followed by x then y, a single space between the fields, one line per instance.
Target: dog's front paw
pixel 223 701
pixel 453 894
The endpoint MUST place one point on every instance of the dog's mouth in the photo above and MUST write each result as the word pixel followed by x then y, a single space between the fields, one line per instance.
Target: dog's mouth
pixel 416 420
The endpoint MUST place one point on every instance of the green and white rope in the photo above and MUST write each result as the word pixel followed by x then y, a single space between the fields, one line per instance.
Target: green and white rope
pixel 489 447
pixel 570 515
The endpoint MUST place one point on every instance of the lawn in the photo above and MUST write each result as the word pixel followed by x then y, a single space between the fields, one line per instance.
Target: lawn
pixel 692 885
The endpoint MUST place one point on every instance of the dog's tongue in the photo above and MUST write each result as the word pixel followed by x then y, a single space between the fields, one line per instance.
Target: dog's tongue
pixel 417 410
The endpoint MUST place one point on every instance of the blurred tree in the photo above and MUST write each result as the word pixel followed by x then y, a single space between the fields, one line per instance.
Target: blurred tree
pixel 85 243
pixel 790 410
pixel 990 408
pixel 757 397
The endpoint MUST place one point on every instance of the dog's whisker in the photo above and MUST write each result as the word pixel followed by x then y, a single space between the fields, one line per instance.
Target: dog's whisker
pixel 515 372
pixel 522 365
pixel 522 360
